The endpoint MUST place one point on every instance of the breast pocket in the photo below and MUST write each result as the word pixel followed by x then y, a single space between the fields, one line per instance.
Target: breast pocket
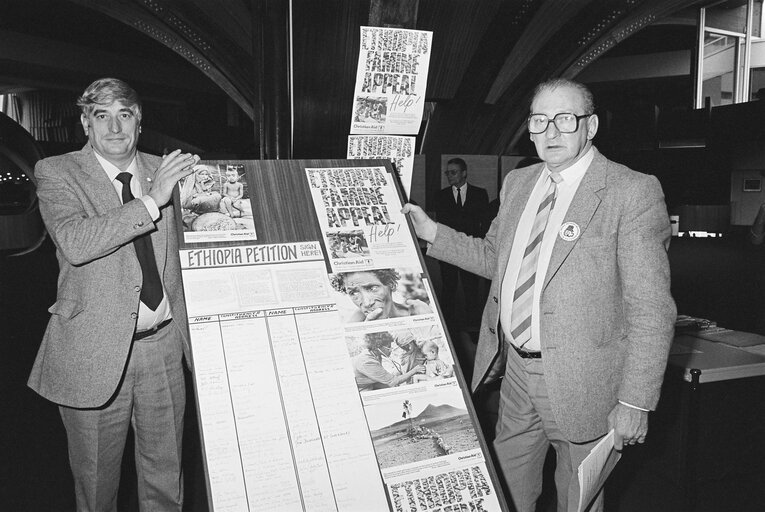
pixel 66 308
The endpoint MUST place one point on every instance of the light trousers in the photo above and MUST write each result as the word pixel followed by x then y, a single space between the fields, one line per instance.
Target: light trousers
pixel 525 430
pixel 151 397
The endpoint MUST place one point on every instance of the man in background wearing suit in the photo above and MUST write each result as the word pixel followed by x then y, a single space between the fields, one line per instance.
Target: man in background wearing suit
pixel 464 208
pixel 580 317
pixel 112 352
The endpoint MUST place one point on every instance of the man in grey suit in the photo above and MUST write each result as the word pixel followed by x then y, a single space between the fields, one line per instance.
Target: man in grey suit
pixel 579 319
pixel 112 352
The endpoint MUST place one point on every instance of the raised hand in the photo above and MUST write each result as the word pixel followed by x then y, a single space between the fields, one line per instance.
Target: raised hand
pixel 174 166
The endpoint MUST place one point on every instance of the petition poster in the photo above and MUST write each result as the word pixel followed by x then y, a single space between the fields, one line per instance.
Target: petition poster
pixel 324 376
pixel 391 80
pixel 280 416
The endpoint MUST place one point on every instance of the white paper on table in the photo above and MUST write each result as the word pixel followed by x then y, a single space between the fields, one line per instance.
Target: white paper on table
pixel 595 468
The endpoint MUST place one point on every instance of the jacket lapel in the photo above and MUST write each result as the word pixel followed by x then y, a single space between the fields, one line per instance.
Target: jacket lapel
pixel 144 173
pixel 582 208
pixel 100 189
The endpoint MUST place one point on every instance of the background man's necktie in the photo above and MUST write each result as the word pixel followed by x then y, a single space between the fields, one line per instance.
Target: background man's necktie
pixel 459 198
pixel 523 298
pixel 151 290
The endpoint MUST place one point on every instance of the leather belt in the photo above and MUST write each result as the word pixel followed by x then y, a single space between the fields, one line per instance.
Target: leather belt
pixel 526 354
pixel 149 332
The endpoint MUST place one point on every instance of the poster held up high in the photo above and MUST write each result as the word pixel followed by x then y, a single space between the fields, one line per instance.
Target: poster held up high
pixel 391 80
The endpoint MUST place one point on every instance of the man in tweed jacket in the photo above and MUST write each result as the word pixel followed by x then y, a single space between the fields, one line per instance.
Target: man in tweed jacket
pixel 107 358
pixel 592 356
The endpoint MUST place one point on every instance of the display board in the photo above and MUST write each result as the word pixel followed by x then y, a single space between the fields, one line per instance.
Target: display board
pixel 325 378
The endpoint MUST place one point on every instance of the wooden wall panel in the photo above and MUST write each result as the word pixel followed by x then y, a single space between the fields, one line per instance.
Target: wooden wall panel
pixel 458 27
pixel 417 192
pixel 281 199
pixel 326 52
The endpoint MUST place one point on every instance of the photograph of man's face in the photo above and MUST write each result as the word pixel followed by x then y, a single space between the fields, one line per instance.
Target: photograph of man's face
pixel 367 292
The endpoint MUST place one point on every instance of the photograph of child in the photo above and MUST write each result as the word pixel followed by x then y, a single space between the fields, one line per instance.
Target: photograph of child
pixel 214 199
pixel 435 368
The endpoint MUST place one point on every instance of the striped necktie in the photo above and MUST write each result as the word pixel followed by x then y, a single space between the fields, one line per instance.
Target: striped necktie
pixel 523 298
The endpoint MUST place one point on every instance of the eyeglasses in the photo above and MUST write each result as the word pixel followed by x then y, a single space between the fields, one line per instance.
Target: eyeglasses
pixel 565 122
pixel 452 172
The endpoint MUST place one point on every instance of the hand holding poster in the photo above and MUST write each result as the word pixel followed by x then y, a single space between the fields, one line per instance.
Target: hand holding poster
pixel 391 80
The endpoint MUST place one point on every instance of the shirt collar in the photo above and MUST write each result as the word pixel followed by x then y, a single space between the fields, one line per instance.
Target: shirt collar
pixel 577 170
pixel 112 170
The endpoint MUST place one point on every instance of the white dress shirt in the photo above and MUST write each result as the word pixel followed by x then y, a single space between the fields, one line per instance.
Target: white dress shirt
pixel 463 193
pixel 147 318
pixel 571 178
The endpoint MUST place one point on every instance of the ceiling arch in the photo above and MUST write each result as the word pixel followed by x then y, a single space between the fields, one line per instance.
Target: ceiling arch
pixel 559 39
pixel 215 41
pixel 487 57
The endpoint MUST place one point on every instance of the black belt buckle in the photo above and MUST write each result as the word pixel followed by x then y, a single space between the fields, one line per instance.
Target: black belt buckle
pixel 149 332
pixel 525 354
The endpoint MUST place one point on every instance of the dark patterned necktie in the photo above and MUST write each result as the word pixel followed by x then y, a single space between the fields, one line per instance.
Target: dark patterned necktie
pixel 151 290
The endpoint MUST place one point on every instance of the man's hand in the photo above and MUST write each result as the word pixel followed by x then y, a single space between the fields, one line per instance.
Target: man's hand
pixel 174 166
pixel 424 226
pixel 630 425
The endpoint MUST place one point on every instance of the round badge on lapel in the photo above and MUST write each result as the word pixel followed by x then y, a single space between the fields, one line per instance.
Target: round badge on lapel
pixel 569 231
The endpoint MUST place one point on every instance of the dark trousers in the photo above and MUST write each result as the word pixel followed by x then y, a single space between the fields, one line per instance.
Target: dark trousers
pixel 475 299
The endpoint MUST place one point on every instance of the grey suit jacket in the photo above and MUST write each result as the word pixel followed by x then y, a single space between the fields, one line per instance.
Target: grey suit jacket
pixel 607 316
pixel 87 341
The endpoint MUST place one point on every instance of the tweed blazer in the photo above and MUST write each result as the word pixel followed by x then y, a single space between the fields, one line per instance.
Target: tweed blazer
pixel 607 316
pixel 87 342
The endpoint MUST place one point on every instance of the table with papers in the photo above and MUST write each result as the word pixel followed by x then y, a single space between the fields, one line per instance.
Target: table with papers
pixel 719 370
